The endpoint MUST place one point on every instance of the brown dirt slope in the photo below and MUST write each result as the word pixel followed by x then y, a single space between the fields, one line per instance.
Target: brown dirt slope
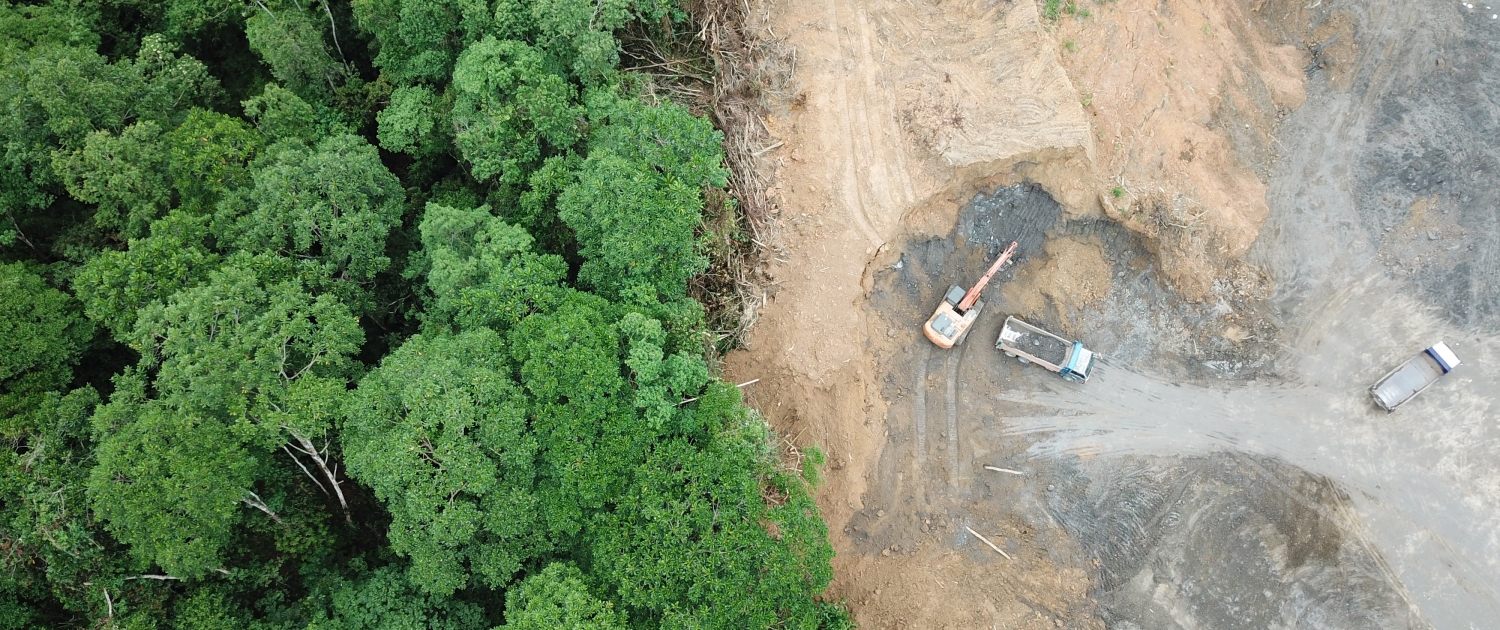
pixel 1183 97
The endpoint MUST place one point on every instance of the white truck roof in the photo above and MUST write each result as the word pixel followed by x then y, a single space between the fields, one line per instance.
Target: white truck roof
pixel 1445 356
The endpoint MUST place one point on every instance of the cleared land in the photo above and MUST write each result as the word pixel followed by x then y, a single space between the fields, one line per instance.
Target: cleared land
pixel 1253 209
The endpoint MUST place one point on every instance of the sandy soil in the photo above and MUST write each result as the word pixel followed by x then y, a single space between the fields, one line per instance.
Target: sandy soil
pixel 1073 275
pixel 1158 133
pixel 1184 96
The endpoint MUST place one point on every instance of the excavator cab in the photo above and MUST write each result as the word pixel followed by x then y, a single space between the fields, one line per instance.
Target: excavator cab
pixel 959 309
pixel 948 326
pixel 955 295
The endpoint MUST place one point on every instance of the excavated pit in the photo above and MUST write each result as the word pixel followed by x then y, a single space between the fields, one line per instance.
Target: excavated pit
pixel 1197 535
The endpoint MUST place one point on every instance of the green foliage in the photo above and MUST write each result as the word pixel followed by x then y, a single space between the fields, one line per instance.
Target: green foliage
pixel 1052 8
pixel 290 38
pixel 508 108
pixel 44 518
pixel 329 206
pixel 439 433
pixel 280 114
pixel 409 124
pixel 835 617
pixel 536 436
pixel 206 608
pixel 234 345
pixel 383 599
pixel 237 363
pixel 125 174
pixel 76 92
pixel 24 27
pixel 169 485
pixel 812 465
pixel 41 334
pixel 694 542
pixel 568 358
pixel 115 285
pixel 638 202
pixel 661 381
pixel 481 272
pixel 207 154
pixel 579 33
pixel 420 39
pixel 55 96
pixel 558 598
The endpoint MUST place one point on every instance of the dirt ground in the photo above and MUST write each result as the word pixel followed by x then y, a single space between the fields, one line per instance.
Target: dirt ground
pixel 1251 208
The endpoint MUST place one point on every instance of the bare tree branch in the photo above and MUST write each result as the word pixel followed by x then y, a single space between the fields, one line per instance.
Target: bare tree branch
pixel 256 502
pixel 308 449
pixel 305 470
pixel 333 28
pixel 22 235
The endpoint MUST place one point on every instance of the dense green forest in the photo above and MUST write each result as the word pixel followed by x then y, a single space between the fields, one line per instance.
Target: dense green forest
pixel 373 314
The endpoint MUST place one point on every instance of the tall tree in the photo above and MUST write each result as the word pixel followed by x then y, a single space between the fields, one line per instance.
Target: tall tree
pixel 509 109
pixel 418 40
pixel 637 202
pixel 125 175
pixel 41 335
pixel 293 39
pixel 384 599
pixel 481 271
pixel 439 432
pixel 56 96
pixel 244 372
pixel 208 155
pixel 329 207
pixel 115 284
pixel 558 597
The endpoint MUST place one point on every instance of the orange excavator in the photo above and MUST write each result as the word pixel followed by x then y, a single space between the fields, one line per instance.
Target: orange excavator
pixel 959 309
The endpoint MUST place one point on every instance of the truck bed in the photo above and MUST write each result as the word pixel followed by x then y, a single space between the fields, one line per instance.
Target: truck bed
pixel 1036 343
pixel 1406 381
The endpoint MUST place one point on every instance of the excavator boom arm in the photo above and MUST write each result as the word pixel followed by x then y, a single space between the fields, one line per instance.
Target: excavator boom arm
pixel 973 295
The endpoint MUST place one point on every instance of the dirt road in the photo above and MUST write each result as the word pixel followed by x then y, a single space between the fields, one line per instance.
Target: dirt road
pixel 1225 468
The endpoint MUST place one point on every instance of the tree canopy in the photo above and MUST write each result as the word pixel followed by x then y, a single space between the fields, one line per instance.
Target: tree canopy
pixel 324 315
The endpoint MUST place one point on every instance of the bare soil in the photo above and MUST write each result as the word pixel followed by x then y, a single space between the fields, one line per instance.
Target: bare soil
pixel 1217 195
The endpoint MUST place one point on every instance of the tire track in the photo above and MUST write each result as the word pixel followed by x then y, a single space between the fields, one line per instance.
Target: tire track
pixel 919 413
pixel 848 173
pixel 951 402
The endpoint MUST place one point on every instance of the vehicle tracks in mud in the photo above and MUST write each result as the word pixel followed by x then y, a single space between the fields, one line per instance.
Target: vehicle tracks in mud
pixel 1259 469
pixel 950 406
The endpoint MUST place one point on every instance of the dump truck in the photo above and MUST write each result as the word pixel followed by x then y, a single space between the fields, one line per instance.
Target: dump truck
pixel 1410 378
pixel 959 309
pixel 1030 344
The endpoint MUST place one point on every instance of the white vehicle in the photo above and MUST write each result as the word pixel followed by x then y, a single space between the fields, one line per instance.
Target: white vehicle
pixel 1410 378
pixel 1030 344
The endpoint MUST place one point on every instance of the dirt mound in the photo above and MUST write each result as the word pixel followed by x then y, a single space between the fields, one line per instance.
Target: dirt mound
pixel 1183 96
pixel 1072 275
